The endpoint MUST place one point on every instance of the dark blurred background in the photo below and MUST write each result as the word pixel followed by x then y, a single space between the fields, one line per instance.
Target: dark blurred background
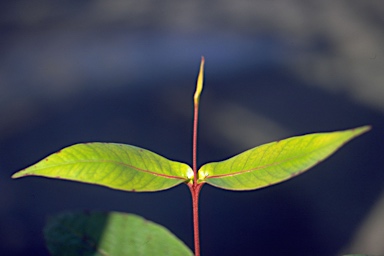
pixel 125 71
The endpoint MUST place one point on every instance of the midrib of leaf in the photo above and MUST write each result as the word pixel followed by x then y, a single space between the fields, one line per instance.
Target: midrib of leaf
pixel 276 163
pixel 114 162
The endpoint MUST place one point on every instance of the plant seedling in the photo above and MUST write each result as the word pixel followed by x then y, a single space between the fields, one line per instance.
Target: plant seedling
pixel 134 169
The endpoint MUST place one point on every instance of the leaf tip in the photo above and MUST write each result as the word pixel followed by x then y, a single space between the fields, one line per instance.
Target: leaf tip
pixel 361 130
pixel 365 128
pixel 18 174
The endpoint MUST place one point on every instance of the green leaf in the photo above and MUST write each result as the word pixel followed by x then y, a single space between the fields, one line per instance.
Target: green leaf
pixel 275 162
pixel 116 166
pixel 113 233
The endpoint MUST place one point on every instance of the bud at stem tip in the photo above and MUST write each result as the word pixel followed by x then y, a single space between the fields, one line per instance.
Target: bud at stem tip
pixel 199 85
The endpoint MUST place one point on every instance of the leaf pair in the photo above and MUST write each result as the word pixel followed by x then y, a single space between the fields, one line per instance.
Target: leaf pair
pixel 131 168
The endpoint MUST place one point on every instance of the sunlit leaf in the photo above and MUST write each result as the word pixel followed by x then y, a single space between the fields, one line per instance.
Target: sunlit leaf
pixel 112 234
pixel 275 162
pixel 113 165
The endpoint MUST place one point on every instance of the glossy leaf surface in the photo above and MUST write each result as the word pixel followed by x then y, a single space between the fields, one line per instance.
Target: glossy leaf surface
pixel 112 234
pixel 275 162
pixel 113 165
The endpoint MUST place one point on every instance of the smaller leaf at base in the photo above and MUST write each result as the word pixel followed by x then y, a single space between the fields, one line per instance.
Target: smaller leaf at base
pixel 109 233
pixel 275 162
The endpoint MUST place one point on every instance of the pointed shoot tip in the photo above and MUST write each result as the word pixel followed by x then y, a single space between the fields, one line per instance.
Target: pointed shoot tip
pixel 199 85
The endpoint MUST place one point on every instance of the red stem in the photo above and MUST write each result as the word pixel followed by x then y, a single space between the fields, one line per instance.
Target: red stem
pixel 194 151
pixel 195 191
pixel 194 187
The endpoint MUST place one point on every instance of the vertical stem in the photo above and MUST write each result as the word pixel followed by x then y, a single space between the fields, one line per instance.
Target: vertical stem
pixel 195 191
pixel 194 150
pixel 196 99
pixel 195 187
